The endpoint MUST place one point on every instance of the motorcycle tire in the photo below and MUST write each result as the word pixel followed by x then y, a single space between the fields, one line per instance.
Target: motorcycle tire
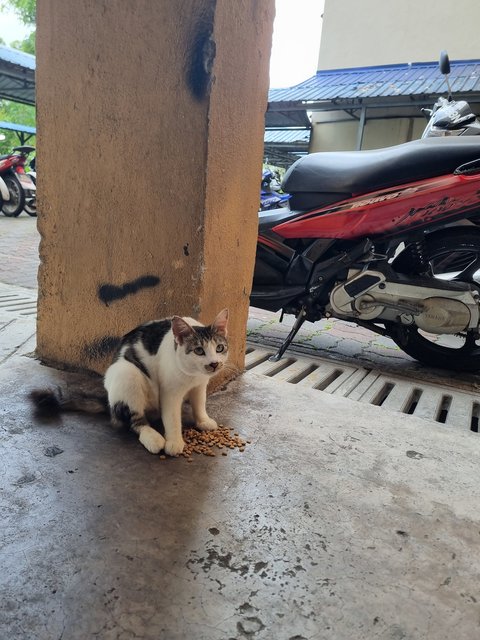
pixel 452 255
pixel 31 208
pixel 13 207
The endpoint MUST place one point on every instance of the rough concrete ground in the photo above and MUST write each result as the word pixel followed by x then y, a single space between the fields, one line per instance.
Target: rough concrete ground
pixel 19 260
pixel 334 523
pixel 338 521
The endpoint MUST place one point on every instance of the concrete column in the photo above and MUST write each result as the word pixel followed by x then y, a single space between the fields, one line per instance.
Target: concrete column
pixel 150 138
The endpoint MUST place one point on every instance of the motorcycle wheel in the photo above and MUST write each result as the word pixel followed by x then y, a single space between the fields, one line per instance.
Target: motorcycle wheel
pixel 453 256
pixel 14 206
pixel 31 207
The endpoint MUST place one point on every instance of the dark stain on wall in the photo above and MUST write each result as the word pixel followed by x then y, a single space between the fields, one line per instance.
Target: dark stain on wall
pixel 102 347
pixel 110 292
pixel 202 54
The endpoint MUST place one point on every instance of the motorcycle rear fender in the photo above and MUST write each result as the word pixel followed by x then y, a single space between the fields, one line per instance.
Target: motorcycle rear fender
pixel 4 189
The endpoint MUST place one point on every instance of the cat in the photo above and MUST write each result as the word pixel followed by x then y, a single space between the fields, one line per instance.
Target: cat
pixel 157 365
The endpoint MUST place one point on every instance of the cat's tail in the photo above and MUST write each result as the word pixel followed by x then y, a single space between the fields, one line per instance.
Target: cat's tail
pixel 50 402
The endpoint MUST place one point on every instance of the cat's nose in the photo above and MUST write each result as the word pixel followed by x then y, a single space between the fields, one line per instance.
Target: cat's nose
pixel 214 365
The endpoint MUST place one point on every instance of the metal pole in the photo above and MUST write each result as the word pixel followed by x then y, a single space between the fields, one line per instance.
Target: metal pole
pixel 361 127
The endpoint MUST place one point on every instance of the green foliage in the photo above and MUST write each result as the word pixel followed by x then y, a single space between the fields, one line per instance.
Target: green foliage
pixel 279 172
pixel 18 114
pixel 27 45
pixel 25 9
pixel 13 111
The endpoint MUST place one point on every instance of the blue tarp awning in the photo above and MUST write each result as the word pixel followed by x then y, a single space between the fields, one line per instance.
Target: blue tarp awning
pixel 21 128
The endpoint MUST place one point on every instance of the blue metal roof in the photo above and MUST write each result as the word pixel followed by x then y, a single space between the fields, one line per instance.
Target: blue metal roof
pixel 413 79
pixel 284 146
pixel 14 56
pixel 17 75
pixel 287 136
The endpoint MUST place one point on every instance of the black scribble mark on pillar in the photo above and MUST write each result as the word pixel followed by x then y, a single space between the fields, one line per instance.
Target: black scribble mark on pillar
pixel 202 54
pixel 186 252
pixel 110 292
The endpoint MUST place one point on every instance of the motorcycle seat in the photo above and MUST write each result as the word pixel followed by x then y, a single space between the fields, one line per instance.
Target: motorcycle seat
pixel 349 173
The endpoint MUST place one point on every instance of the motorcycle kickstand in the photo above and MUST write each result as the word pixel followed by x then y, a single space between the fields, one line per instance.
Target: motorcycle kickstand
pixel 298 323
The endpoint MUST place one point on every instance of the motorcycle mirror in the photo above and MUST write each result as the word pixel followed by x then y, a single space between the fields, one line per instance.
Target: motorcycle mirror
pixel 444 63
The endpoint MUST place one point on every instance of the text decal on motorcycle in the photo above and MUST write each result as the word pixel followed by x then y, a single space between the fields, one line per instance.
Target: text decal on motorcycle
pixel 388 212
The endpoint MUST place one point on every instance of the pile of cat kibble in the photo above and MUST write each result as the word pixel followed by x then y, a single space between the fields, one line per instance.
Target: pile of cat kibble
pixel 209 443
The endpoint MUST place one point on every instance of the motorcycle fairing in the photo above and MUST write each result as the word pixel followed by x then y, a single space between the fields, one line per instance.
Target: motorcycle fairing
pixel 388 212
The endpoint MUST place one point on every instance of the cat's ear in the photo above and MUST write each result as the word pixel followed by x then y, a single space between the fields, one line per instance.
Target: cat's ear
pixel 220 322
pixel 181 329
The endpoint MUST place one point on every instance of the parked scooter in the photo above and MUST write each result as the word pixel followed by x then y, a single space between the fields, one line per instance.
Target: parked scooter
pixel 16 186
pixel 271 196
pixel 388 239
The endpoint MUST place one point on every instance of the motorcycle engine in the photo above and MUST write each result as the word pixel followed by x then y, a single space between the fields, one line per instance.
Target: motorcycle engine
pixel 442 315
pixel 443 308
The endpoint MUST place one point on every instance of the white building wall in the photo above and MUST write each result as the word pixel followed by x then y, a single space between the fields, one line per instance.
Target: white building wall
pixel 329 134
pixel 363 33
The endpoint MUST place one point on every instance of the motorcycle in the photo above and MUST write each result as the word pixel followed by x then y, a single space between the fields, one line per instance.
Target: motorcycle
pixel 388 239
pixel 16 186
pixel 270 192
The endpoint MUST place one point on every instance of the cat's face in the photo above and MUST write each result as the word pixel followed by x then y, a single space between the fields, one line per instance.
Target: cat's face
pixel 202 350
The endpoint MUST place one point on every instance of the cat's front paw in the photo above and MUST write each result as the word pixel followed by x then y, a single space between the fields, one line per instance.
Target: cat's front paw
pixel 151 440
pixel 174 447
pixel 207 425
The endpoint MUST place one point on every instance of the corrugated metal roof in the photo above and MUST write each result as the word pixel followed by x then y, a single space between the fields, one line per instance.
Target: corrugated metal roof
pixel 14 56
pixel 283 146
pixel 17 75
pixel 287 136
pixel 416 79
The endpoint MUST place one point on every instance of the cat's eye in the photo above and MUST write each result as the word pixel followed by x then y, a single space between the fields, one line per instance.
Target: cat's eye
pixel 199 351
pixel 220 348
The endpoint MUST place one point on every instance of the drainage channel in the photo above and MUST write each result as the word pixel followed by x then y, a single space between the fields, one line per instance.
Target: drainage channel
pixel 457 409
pixel 454 408
pixel 18 301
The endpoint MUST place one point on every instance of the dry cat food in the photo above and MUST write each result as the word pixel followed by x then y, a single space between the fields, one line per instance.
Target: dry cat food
pixel 209 443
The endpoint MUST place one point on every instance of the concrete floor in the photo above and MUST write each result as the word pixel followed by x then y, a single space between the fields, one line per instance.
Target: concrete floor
pixel 338 522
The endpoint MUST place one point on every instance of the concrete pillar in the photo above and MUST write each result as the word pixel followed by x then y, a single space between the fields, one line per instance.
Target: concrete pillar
pixel 150 138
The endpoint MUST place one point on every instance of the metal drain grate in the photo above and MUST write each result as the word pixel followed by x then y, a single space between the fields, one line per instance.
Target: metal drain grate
pixel 458 409
pixel 21 303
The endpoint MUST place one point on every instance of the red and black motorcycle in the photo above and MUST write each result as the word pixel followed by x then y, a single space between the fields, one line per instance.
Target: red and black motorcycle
pixel 388 239
pixel 17 188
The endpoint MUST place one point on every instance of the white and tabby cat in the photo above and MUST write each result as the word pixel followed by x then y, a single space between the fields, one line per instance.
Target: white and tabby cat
pixel 157 366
